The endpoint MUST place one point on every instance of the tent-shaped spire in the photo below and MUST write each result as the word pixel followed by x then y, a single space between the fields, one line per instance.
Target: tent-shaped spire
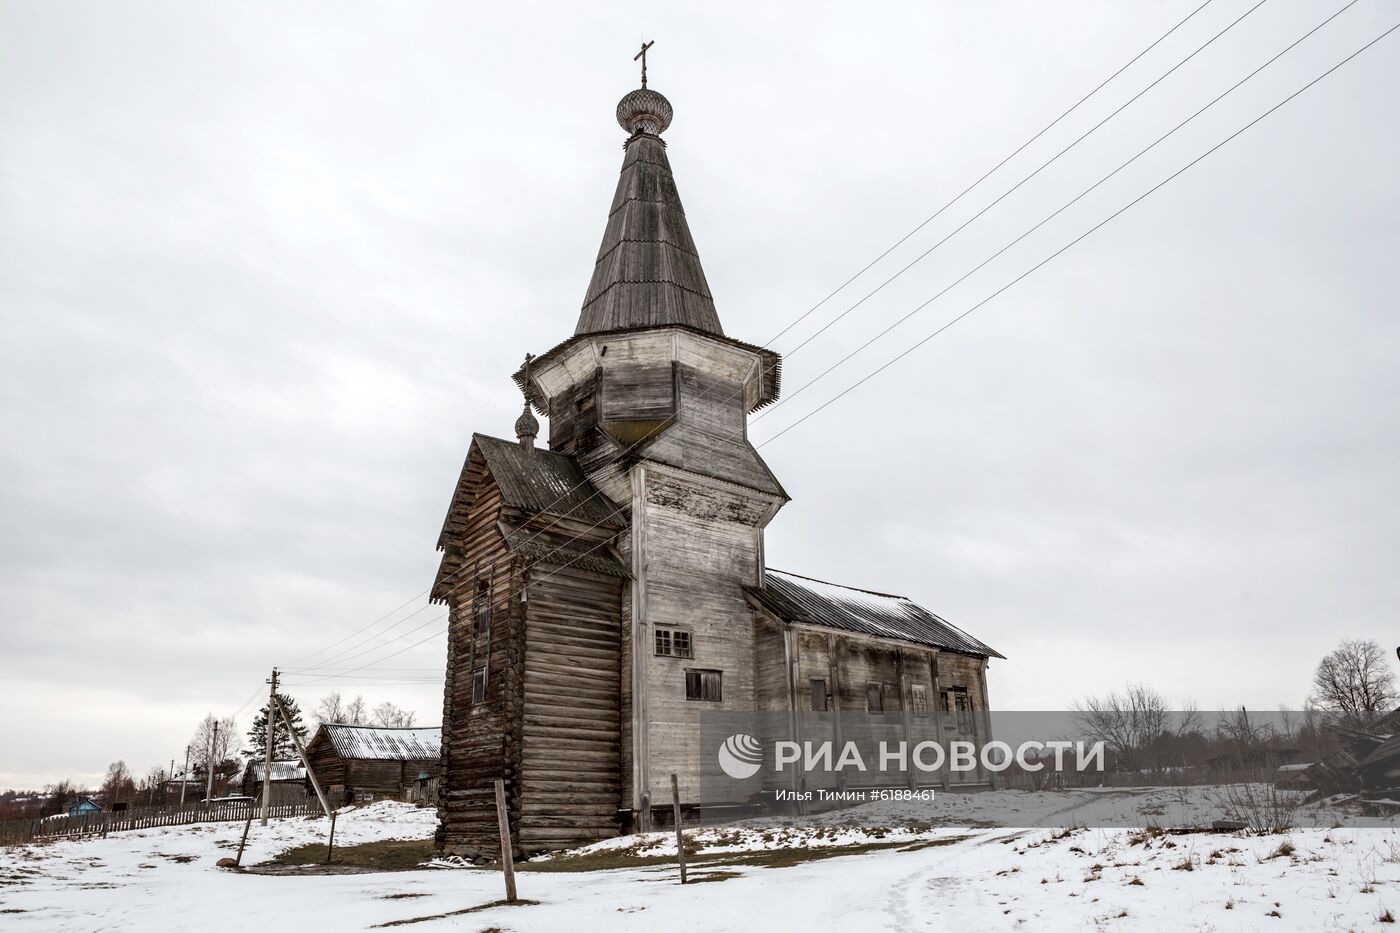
pixel 648 272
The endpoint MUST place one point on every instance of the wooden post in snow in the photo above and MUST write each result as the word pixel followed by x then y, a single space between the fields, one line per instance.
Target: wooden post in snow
pixel 244 841
pixel 330 842
pixel 507 859
pixel 305 762
pixel 680 832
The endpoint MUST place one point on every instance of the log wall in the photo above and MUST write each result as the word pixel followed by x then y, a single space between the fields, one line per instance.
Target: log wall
pixel 481 740
pixel 570 770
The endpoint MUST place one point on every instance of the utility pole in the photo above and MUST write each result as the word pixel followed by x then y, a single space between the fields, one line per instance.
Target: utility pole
pixel 269 735
pixel 165 797
pixel 185 777
pixel 209 766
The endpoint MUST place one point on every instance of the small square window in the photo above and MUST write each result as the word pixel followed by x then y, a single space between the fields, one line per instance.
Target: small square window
pixel 918 700
pixel 819 697
pixel 874 698
pixel 704 685
pixel 479 685
pixel 673 643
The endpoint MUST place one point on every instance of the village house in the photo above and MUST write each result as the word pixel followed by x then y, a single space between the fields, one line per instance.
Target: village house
pixel 362 763
pixel 288 780
pixel 608 590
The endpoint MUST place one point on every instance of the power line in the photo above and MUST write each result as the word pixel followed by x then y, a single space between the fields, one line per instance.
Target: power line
pixel 1017 151
pixel 493 606
pixel 1051 161
pixel 1081 237
pixel 1051 216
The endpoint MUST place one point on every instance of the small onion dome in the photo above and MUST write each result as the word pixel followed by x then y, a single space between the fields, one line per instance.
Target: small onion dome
pixel 526 427
pixel 644 111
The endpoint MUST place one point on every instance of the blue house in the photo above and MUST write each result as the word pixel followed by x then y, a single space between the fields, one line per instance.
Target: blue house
pixel 83 806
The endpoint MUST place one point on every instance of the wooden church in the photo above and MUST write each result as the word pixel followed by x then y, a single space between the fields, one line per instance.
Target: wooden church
pixel 607 588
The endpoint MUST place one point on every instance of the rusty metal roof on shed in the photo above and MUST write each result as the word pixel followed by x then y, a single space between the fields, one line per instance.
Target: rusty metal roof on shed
pixel 804 600
pixel 540 480
pixel 384 744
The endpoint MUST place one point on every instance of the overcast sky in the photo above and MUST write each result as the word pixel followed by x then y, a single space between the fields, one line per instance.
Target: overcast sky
pixel 264 268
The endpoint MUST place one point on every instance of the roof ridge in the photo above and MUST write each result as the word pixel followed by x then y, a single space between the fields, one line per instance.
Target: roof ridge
pixel 513 444
pixel 352 725
pixel 856 589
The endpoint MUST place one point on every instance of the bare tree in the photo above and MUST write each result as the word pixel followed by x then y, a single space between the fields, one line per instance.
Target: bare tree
pixel 1128 723
pixel 118 785
pixel 208 750
pixel 59 796
pixel 387 714
pixel 1354 682
pixel 333 708
pixel 1244 732
pixel 357 712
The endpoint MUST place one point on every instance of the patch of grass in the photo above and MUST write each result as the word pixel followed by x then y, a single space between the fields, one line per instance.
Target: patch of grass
pixel 765 858
pixel 1386 917
pixel 386 855
pixel 712 876
pixel 404 894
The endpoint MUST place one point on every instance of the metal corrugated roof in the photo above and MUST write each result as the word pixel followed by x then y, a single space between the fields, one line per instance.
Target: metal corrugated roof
pixel 290 770
pixel 375 742
pixel 540 480
pixel 795 598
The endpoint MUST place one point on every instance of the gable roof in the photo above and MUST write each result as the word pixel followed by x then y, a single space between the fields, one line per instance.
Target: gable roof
pixel 537 480
pixel 384 744
pixel 800 599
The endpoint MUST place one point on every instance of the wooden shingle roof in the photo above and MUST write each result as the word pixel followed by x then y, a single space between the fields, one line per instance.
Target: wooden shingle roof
pixel 541 480
pixel 648 271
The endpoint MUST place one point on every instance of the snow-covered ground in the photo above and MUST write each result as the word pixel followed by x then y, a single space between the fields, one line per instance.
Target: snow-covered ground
pixel 909 873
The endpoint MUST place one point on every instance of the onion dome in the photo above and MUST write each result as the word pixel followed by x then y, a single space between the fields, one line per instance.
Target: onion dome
pixel 644 111
pixel 527 428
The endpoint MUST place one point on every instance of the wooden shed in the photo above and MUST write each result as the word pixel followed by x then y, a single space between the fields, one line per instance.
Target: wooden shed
pixel 360 763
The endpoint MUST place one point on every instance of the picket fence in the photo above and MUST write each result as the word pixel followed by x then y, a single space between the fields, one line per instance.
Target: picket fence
pixel 18 832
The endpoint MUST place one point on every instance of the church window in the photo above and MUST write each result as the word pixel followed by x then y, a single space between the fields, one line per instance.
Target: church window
pixel 957 702
pixel 918 700
pixel 704 685
pixel 875 698
pixel 481 609
pixel 819 697
pixel 673 643
pixel 479 684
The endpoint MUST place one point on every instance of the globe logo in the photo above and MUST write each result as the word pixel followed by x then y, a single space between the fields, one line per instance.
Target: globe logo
pixel 740 756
